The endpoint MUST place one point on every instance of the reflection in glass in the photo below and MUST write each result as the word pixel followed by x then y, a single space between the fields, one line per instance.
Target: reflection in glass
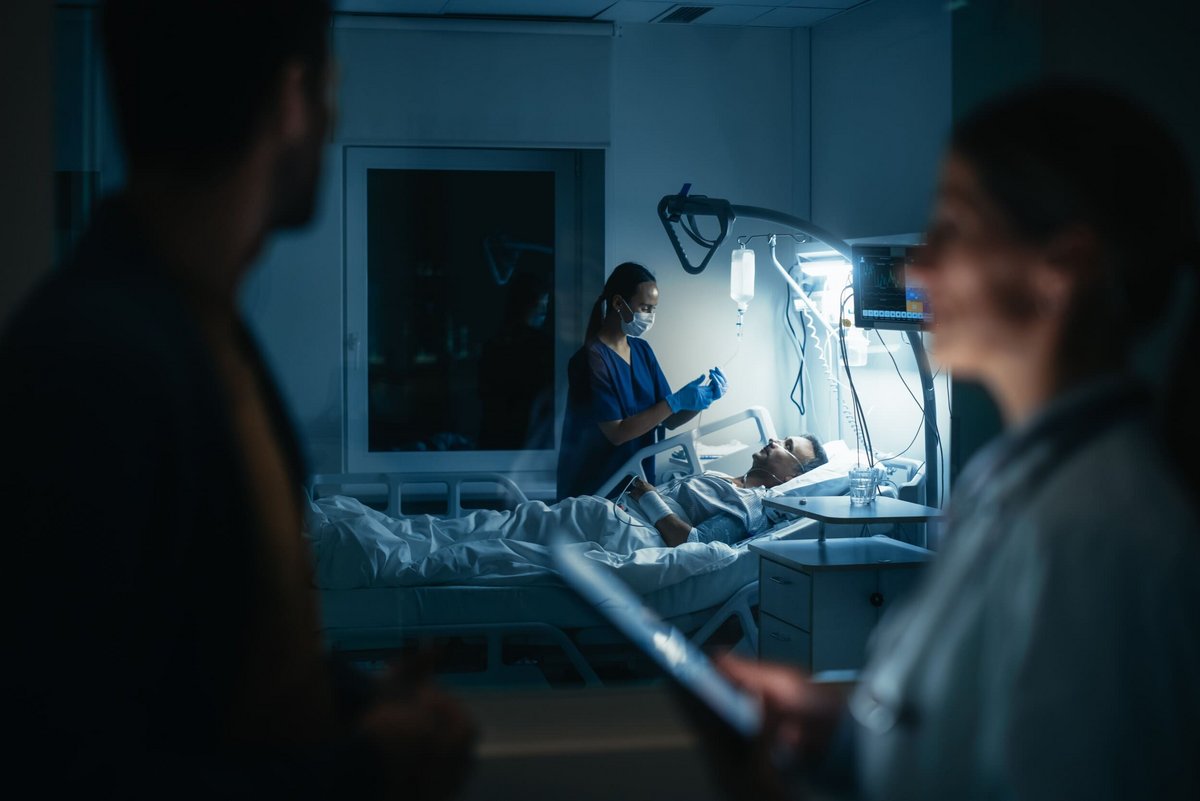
pixel 460 281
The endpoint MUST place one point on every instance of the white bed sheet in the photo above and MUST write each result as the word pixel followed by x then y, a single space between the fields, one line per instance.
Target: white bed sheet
pixel 546 600
pixel 357 547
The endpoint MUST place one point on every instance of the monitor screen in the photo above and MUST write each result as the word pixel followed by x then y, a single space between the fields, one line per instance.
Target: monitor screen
pixel 885 292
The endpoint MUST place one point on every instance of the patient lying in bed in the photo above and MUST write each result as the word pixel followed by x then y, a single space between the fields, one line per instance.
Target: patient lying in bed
pixel 357 546
pixel 714 507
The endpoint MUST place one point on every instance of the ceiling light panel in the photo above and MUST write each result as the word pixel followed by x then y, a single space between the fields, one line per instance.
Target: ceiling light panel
pixel 732 15
pixel 635 11
pixel 794 17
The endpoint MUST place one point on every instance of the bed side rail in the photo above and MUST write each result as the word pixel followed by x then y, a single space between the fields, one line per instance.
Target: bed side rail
pixel 687 439
pixel 396 483
pixel 909 477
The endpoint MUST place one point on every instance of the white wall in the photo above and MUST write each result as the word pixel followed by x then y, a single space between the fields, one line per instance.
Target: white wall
pixel 881 110
pixel 880 115
pixel 713 106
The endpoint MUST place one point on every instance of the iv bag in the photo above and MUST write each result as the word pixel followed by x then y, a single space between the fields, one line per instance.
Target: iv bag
pixel 741 277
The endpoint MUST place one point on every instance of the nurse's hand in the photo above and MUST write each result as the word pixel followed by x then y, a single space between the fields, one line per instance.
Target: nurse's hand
pixel 717 382
pixel 691 397
pixel 799 716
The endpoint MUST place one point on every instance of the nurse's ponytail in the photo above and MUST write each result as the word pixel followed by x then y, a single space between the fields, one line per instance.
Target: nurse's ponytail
pixel 623 281
pixel 1059 156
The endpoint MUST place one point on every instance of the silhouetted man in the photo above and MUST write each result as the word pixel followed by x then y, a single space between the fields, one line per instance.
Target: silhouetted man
pixel 165 613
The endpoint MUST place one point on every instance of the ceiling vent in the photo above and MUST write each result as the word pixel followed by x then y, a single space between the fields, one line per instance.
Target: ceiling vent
pixel 684 14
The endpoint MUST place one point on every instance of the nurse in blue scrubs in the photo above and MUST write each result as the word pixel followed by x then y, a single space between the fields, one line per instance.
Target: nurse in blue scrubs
pixel 617 393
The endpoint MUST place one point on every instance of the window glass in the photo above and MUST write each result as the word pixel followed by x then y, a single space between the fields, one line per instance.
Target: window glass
pixel 460 325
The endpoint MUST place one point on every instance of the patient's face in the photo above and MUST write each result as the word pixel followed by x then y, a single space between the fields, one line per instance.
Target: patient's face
pixel 782 457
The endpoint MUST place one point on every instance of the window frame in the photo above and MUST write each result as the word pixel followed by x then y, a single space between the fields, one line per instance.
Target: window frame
pixel 568 265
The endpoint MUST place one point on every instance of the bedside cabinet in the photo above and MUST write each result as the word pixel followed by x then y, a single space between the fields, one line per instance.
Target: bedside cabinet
pixel 820 599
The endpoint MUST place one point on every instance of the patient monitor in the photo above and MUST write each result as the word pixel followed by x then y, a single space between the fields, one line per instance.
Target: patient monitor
pixel 885 292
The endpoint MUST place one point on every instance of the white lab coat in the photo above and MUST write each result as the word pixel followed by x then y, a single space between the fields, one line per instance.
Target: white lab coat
pixel 1054 649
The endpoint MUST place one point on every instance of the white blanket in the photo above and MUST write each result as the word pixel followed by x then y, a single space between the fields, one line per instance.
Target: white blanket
pixel 356 546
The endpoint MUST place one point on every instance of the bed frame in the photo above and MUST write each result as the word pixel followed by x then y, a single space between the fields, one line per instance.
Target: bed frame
pixel 367 621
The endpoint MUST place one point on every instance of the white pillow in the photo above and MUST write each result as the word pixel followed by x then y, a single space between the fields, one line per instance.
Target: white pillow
pixel 837 469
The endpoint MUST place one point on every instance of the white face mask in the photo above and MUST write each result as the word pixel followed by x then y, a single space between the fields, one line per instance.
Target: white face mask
pixel 640 323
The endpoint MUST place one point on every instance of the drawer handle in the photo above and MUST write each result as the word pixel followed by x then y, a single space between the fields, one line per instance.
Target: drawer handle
pixel 876 599
pixel 779 580
pixel 777 636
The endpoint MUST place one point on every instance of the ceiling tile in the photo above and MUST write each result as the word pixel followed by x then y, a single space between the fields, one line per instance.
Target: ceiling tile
pixel 821 3
pixel 769 3
pixel 585 9
pixel 390 6
pixel 635 10
pixel 794 17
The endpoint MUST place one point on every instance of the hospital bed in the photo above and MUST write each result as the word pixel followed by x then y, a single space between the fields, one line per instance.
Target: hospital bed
pixel 527 632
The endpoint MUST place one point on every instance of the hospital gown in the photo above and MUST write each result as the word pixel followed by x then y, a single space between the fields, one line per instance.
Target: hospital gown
pixel 1054 652
pixel 357 546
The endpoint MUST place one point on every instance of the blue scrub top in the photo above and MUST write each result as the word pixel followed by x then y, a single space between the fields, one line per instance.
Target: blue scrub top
pixel 602 387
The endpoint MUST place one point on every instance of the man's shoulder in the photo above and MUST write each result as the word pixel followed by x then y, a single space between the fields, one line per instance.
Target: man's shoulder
pixel 127 339
pixel 96 314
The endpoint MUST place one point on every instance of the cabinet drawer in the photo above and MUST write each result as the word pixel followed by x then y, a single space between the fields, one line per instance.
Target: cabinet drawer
pixel 779 642
pixel 785 593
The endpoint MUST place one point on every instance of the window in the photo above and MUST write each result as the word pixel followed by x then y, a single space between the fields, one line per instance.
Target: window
pixel 462 271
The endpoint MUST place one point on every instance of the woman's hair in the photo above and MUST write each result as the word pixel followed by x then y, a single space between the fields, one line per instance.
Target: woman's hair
pixel 623 281
pixel 820 457
pixel 1061 156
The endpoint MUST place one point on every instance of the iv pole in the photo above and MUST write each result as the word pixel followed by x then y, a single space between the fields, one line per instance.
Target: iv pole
pixel 683 209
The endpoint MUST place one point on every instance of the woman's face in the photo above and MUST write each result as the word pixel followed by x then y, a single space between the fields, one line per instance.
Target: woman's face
pixel 978 276
pixel 644 300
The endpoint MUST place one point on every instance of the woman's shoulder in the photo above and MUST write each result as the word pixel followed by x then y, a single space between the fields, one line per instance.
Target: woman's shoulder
pixel 641 347
pixel 589 353
pixel 1121 493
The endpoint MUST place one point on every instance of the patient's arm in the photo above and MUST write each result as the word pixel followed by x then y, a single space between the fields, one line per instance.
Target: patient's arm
pixel 671 526
pixel 673 530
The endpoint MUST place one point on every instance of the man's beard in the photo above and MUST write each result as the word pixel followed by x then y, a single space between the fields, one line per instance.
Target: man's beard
pixel 297 175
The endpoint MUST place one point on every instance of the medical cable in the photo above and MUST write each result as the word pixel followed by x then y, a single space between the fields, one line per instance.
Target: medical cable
pixel 811 315
pixel 855 400
pixel 830 375
pixel 921 424
pixel 667 487
pixel 759 470
pixel 801 347
pixel 937 435
pixel 736 351
pixel 616 506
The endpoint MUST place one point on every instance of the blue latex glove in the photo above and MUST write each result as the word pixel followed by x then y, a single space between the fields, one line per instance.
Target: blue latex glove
pixel 717 382
pixel 691 397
